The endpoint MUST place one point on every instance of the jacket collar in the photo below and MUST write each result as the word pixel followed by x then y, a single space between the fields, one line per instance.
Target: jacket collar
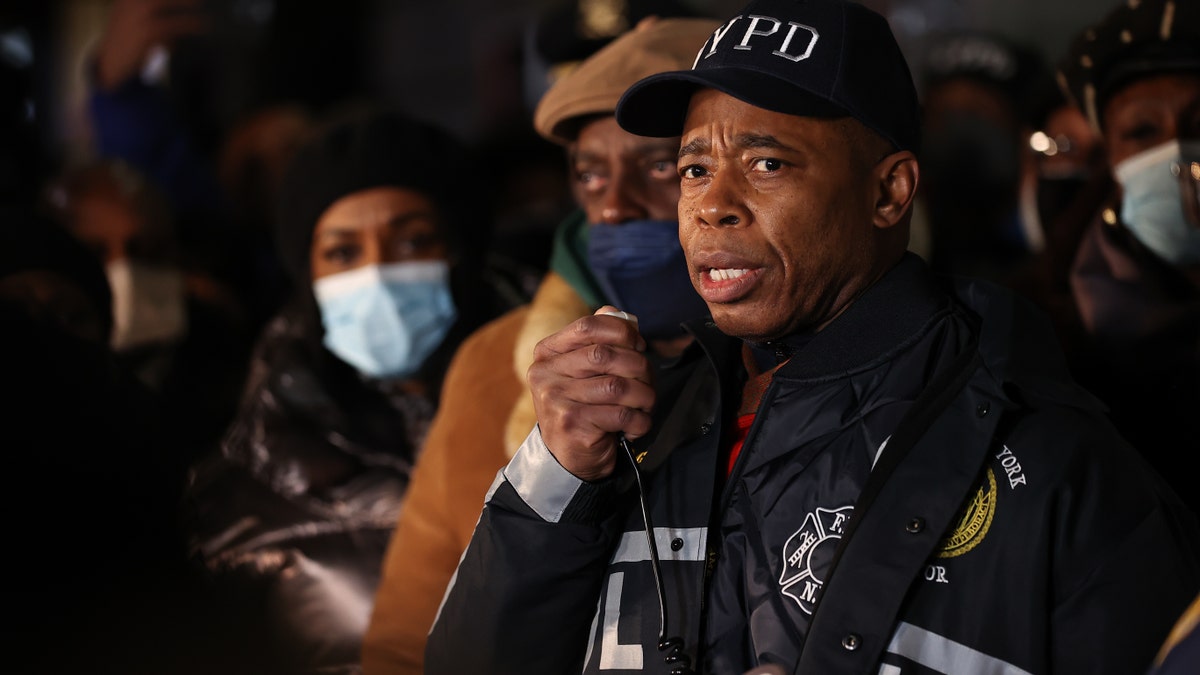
pixel 888 316
pixel 891 314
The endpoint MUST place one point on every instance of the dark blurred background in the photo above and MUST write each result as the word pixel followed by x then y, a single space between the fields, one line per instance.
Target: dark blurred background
pixel 471 64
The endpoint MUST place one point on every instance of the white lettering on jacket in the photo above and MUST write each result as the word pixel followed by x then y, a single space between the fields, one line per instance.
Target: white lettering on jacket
pixel 936 573
pixel 1012 468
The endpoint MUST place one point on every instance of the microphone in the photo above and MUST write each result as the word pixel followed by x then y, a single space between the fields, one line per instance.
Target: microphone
pixel 621 314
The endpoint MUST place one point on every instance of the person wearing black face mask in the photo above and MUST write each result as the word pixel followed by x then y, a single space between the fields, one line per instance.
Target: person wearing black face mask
pixel 975 92
pixel 1067 176
pixel 621 247
pixel 1063 185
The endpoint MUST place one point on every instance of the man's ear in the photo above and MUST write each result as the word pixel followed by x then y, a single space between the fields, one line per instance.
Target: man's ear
pixel 896 179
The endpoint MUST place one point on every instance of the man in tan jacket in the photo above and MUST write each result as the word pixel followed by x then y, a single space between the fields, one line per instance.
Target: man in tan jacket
pixel 621 248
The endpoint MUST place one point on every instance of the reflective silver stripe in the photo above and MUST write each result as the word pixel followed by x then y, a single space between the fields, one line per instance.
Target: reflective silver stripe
pixel 634 548
pixel 539 479
pixel 613 654
pixel 945 655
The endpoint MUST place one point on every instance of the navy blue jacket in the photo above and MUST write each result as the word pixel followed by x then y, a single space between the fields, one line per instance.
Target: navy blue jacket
pixel 1018 534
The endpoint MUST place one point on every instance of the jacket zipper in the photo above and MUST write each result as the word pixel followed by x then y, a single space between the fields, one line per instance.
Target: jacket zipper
pixel 747 445
pixel 713 552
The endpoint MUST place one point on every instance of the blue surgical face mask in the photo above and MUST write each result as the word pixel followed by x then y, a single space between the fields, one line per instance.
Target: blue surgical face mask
pixel 385 320
pixel 1152 204
pixel 641 268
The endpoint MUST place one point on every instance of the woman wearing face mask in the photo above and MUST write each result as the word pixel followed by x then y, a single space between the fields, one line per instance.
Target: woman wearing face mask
pixel 1136 276
pixel 291 515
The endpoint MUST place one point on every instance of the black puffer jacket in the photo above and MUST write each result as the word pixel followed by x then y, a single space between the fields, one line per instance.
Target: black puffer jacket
pixel 290 518
pixel 1019 534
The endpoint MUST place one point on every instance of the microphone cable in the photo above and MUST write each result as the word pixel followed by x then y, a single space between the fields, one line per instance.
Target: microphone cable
pixel 675 657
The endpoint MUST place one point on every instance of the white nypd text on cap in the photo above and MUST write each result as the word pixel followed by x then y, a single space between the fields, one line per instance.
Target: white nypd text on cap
pixel 789 47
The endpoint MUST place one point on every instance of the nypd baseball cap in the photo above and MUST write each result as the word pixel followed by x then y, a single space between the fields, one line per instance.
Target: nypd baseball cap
pixel 813 58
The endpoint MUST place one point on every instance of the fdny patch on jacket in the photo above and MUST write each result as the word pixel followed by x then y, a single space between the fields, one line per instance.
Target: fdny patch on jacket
pixel 808 552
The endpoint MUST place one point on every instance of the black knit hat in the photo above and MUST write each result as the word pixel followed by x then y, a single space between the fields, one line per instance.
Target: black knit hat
pixel 1135 39
pixel 371 149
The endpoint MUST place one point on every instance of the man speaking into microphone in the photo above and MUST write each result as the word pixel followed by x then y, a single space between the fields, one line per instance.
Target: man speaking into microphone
pixel 856 466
